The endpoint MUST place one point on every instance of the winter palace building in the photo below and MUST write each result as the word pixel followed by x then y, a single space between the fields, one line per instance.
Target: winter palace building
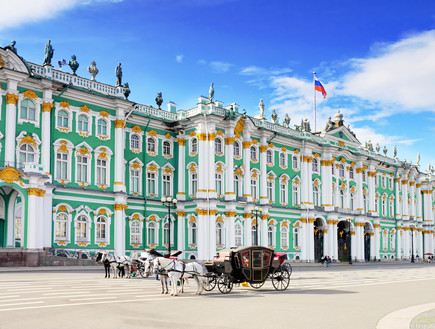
pixel 83 169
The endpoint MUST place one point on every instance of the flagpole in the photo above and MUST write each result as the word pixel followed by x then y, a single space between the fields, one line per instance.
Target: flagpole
pixel 314 97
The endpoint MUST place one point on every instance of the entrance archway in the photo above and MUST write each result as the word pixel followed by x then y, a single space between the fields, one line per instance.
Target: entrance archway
pixel 367 237
pixel 343 241
pixel 318 240
pixel 11 217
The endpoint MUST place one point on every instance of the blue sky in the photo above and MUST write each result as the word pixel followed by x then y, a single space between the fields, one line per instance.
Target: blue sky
pixel 375 58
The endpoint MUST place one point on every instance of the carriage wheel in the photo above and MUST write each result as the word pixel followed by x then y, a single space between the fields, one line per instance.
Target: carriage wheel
pixel 225 284
pixel 280 278
pixel 287 267
pixel 142 271
pixel 256 285
pixel 210 282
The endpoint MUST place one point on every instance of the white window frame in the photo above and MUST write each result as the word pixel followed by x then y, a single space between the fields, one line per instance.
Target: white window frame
pixel 135 166
pixel 269 157
pixel 193 146
pixel 220 227
pixel 63 146
pixel 295 162
pixel 315 166
pixel 37 103
pixel 88 156
pixel 238 234
pixel 283 159
pixel 139 235
pixel 193 228
pixel 152 150
pixel 236 146
pixel 103 153
pixel 165 149
pixel 283 190
pixel 97 132
pixel 135 138
pixel 284 238
pixel 84 133
pixel 218 146
pixel 152 225
pixel 271 229
pixel 67 227
pixel 253 150
pixel 63 128
pixel 106 229
pixel 88 224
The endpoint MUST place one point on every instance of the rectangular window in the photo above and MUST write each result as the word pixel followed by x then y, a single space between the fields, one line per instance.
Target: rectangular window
pixel 269 189
pixel 166 188
pixel 283 193
pixel 219 184
pixel 254 189
pixel 82 169
pixel 61 165
pixel 194 183
pixel 151 183
pixel 101 172
pixel 134 181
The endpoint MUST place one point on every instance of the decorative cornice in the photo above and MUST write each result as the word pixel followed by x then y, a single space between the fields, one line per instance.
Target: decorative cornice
pixel 202 136
pixel 231 213
pixel 30 94
pixel 247 144
pixel 180 213
pixel 230 140
pixel 181 141
pixel 376 225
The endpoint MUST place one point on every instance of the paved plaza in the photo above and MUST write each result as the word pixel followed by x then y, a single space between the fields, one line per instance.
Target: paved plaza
pixel 388 296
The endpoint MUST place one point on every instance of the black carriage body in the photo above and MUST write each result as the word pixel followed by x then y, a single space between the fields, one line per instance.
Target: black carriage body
pixel 246 264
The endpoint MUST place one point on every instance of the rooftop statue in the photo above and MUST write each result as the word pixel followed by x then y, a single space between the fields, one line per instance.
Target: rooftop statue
pixel 48 53
pixel 377 148
pixel 159 99
pixel 286 120
pixel 305 125
pixel 385 150
pixel 93 70
pixel 127 90
pixel 369 146
pixel 12 46
pixel 261 106
pixel 274 117
pixel 394 152
pixel 211 93
pixel 418 159
pixel 73 64
pixel 329 125
pixel 118 73
pixel 231 114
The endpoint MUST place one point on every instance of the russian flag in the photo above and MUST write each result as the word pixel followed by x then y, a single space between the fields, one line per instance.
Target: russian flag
pixel 319 87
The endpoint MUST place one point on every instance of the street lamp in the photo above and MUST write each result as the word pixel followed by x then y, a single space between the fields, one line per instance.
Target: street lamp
pixel 412 227
pixel 169 203
pixel 257 210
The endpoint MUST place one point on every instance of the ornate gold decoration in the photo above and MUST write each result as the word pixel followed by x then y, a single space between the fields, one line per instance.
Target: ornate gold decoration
pixel 229 140
pixel 11 99
pixel 152 168
pixel 120 206
pixel 180 213
pixel 28 140
pixel 85 108
pixel 46 107
pixel 341 143
pixel 10 174
pixel 2 62
pixel 62 208
pixel 168 136
pixel 181 141
pixel 192 133
pixel 119 123
pixel 136 129
pixel 247 144
pixel 263 148
pixel 202 136
pixel 64 104
pixel 135 165
pixel 248 215
pixel 35 191
pixel 83 151
pixel 239 126
pixel 102 211
pixel 30 94
pixel 167 170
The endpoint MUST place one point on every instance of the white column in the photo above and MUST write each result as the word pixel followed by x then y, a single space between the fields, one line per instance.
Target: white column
pixel 203 164
pixel 263 172
pixel 420 243
pixel 353 243
pixel 10 238
pixel 11 119
pixel 405 205
pixel 181 195
pixel 203 230
pixel 399 242
pixel 377 240
pixel 35 218
pixel 310 236
pixel 304 242
pixel 47 220
pixel 372 190
pixel 230 229
pixel 119 229
pixel 326 164
pixel 412 212
pixel 359 187
pixel 372 246
pixel 406 242
pixel 397 200
pixel 229 170
pixel 211 168
pixel 419 203
pixel 247 164
pixel 181 231
pixel 46 146
pixel 212 234
pixel 119 184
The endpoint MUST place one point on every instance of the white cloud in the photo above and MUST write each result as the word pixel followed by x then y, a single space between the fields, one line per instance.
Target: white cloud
pixel 399 74
pixel 30 11
pixel 216 66
pixel 179 58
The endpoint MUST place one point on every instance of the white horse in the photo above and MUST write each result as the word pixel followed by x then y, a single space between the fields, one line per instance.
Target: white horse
pixel 176 270
pixel 116 263
pixel 149 268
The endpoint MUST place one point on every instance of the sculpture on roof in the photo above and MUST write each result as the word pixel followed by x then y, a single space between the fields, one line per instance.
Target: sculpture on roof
pixel 12 46
pixel 93 70
pixel 385 150
pixel 73 64
pixel 418 159
pixel 127 90
pixel 369 146
pixel 329 125
pixel 377 148
pixel 159 99
pixel 231 114
pixel 394 152
pixel 118 73
pixel 305 125
pixel 274 116
pixel 211 93
pixel 261 106
pixel 286 120
pixel 48 53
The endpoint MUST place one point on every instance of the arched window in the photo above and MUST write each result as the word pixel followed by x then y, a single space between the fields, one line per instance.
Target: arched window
pixel 28 110
pixel 283 191
pixel 194 183
pixel 27 154
pixel 295 162
pixel 383 182
pixel 316 196
pixel 166 149
pixel 194 145
pixel 385 239
pixel 101 229
pixel 82 169
pixel 218 145
pixel 341 171
pixel 296 240
pixel 254 235
pixel 253 153
pixel 151 145
pixel 152 234
pixel 61 226
pixel 393 240
pixel 295 195
pixel 236 148
pixel 384 206
pixel 341 199
pixel 193 233
pixel 269 157
pixel 62 119
pixel 83 123
pixel 134 142
pixel 365 203
pixel 364 176
pixel 219 183
pixel 315 165
pixel 282 159
pixel 101 127
pixel 238 234
pixel 391 207
pixel 219 234
pixel 284 237
pixel 352 201
pixel 377 203
pixel 166 233
pixel 270 231
pixel 166 185
pixel 135 234
pixel 351 173
pixel 82 228
pixel 238 185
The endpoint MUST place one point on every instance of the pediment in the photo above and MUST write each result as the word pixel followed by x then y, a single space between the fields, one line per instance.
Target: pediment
pixel 12 61
pixel 342 134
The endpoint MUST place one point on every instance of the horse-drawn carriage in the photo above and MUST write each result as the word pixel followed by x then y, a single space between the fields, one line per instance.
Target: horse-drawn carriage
pixel 252 265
